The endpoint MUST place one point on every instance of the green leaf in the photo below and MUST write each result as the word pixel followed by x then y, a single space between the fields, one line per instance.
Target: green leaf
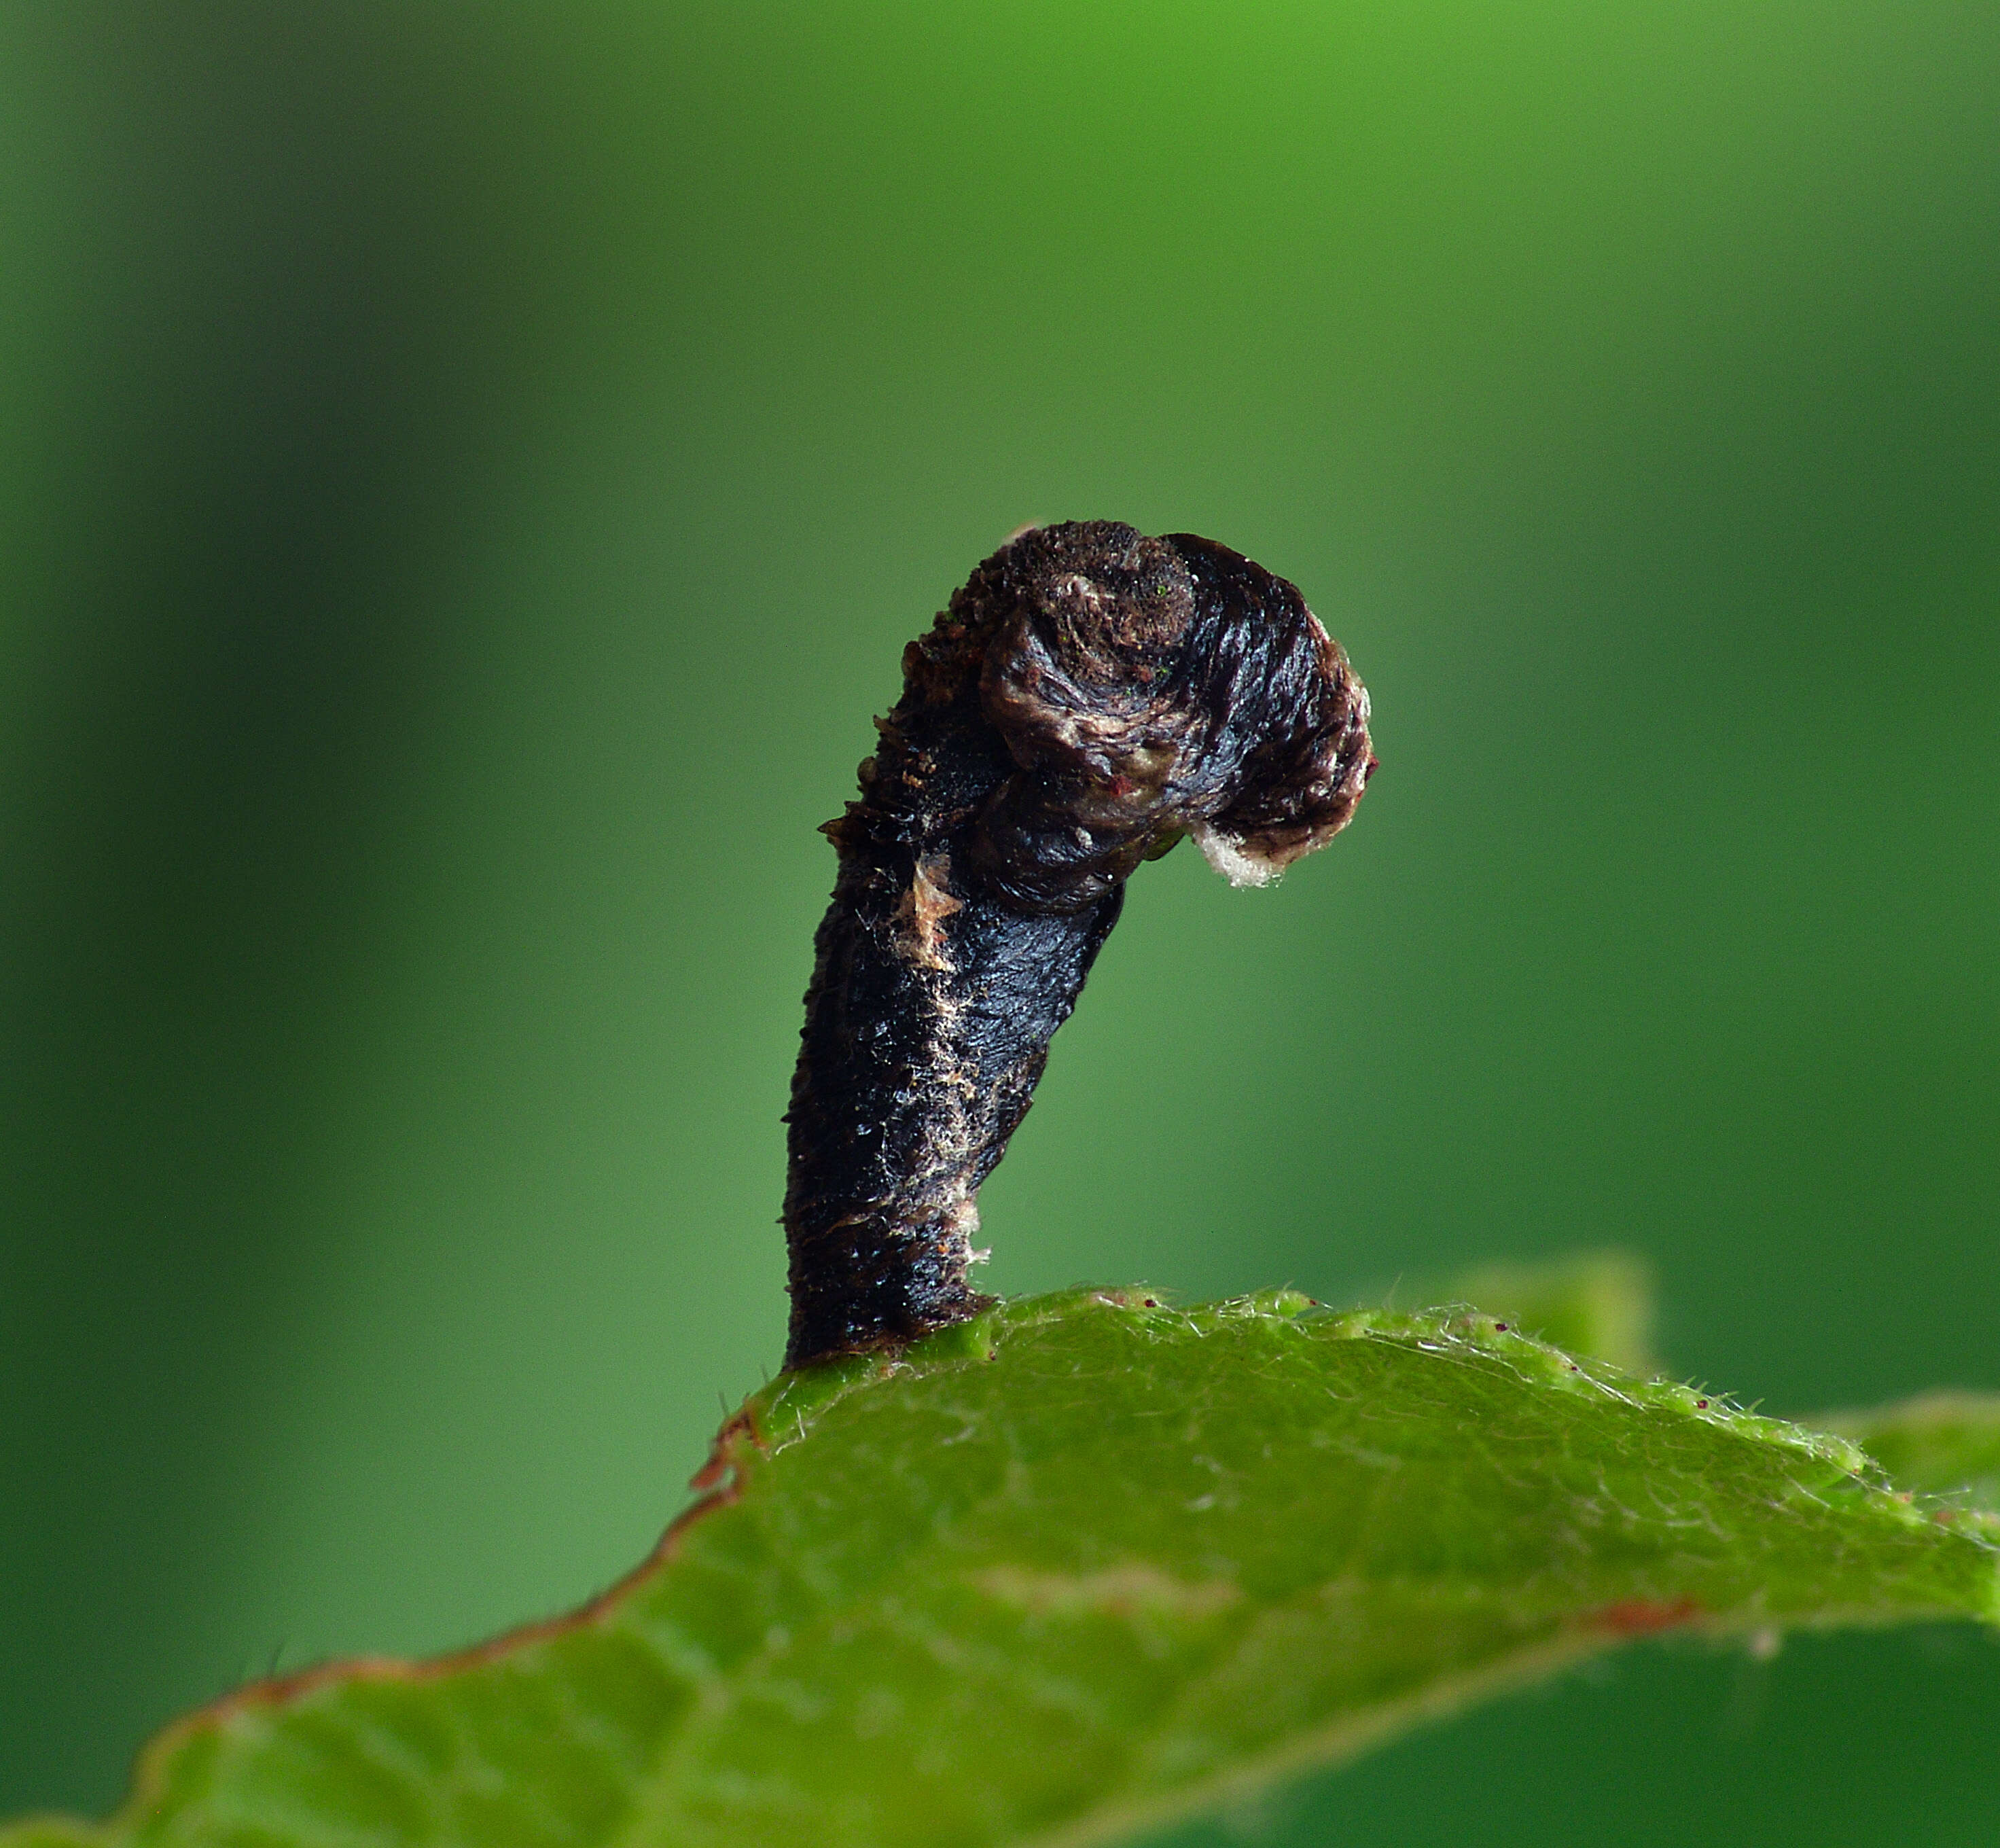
pixel 1068 1569
pixel 1941 1443
pixel 1599 1303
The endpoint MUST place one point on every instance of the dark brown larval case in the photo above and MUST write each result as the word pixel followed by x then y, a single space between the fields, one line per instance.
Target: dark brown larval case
pixel 1091 697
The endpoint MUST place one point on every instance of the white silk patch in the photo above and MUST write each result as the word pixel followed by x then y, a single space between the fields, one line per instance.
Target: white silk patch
pixel 1227 856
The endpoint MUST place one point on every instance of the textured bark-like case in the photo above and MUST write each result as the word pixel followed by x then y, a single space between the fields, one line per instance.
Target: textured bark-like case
pixel 1089 697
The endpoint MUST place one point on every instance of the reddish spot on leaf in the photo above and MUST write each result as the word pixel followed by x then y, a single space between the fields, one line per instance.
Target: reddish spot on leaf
pixel 722 1452
pixel 1644 1616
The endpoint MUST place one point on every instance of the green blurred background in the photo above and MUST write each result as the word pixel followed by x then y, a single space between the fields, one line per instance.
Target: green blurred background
pixel 467 473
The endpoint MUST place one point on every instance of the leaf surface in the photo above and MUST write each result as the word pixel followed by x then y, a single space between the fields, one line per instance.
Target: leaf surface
pixel 1940 1444
pixel 1599 1303
pixel 1066 1570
